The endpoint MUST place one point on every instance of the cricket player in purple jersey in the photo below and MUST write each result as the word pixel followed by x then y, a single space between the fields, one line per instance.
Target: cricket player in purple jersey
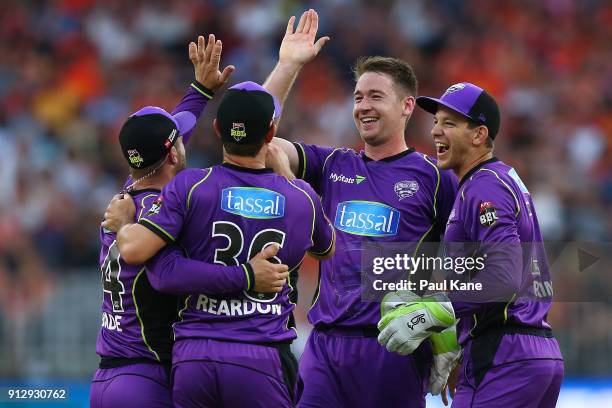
pixel 388 193
pixel 135 340
pixel 233 350
pixel 510 357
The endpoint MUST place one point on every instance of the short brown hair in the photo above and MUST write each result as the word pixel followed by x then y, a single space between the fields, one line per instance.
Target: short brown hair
pixel 245 150
pixel 400 71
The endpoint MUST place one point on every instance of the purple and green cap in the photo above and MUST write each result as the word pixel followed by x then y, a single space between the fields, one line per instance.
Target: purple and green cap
pixel 245 113
pixel 468 100
pixel 149 134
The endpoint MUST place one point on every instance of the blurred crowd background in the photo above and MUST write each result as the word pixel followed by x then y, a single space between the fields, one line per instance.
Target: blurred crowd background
pixel 71 71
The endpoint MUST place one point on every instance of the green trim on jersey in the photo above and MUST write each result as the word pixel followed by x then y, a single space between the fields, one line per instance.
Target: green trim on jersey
pixel 154 227
pixel 142 331
pixel 142 204
pixel 195 185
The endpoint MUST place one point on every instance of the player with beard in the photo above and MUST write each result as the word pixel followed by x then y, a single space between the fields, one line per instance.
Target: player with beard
pixel 135 340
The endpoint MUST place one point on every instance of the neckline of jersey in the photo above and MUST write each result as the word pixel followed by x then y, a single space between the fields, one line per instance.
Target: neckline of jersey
pixel 246 169
pixel 144 190
pixel 390 158
pixel 475 168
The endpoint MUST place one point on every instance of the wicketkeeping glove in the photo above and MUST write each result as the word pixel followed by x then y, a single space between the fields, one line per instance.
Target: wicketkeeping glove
pixel 446 355
pixel 404 327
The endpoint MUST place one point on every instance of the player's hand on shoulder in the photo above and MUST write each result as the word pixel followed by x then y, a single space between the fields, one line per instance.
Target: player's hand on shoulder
pixel 277 159
pixel 206 58
pixel 120 212
pixel 269 277
pixel 298 46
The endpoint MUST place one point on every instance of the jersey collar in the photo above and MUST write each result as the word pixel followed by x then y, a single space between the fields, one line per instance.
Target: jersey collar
pixel 390 158
pixel 246 169
pixel 475 169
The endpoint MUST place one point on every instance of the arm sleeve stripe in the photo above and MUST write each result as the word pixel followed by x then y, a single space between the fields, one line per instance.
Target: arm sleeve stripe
pixel 142 205
pixel 195 185
pixel 435 210
pixel 202 89
pixel 301 173
pixel 157 230
pixel 518 206
pixel 328 156
pixel 250 275
pixel 331 244
pixel 314 214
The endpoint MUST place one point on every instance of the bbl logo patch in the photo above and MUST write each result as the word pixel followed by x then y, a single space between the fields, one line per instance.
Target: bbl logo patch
pixel 238 131
pixel 156 206
pixel 168 143
pixel 406 188
pixel 454 88
pixel 134 157
pixel 487 214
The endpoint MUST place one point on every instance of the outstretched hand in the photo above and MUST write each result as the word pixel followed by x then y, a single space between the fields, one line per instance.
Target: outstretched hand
pixel 206 59
pixel 299 46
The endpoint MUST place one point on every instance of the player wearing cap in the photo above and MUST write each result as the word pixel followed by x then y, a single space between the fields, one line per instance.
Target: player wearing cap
pixel 233 349
pixel 135 340
pixel 408 199
pixel 511 358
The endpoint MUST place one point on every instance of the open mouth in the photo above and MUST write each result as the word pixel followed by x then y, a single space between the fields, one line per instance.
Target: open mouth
pixel 367 120
pixel 441 148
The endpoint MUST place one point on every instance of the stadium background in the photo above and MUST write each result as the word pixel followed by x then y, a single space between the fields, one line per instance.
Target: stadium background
pixel 71 71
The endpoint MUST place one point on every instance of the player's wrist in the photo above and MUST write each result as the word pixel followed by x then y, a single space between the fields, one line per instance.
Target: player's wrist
pixel 202 89
pixel 289 66
pixel 249 276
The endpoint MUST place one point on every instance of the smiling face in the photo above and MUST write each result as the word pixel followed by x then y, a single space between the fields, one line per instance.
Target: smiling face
pixel 454 139
pixel 381 108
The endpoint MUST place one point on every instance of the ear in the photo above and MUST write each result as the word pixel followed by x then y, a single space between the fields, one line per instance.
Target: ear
pixel 409 102
pixel 216 127
pixel 173 156
pixel 271 132
pixel 480 136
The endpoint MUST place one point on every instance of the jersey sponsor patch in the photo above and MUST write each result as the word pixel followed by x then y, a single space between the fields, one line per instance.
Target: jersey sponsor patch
pixel 253 202
pixel 367 218
pixel 156 206
pixel 487 213
pixel 405 188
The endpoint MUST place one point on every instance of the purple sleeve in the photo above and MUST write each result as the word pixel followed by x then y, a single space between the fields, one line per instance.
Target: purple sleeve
pixel 167 214
pixel 311 162
pixel 194 101
pixel 170 271
pixel 323 234
pixel 490 220
pixel 446 196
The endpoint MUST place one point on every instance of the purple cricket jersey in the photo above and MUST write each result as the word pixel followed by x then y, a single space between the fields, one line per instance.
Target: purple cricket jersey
pixel 226 214
pixel 136 318
pixel 402 198
pixel 494 209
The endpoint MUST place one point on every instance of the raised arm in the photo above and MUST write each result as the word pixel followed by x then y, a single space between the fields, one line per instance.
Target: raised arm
pixel 297 49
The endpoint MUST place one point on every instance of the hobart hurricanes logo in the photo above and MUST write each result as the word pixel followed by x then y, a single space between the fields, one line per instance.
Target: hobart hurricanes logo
pixel 367 218
pixel 253 202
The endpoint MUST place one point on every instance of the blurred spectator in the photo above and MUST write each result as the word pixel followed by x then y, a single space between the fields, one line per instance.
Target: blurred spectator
pixel 72 70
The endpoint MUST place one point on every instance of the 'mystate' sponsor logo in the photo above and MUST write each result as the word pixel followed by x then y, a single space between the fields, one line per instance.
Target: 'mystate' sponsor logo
pixel 253 202
pixel 367 218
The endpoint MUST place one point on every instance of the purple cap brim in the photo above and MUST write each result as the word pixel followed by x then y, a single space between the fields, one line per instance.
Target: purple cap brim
pixel 252 86
pixel 184 121
pixel 431 105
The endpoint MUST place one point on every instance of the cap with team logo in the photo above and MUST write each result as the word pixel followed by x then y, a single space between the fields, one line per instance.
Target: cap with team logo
pixel 149 134
pixel 468 100
pixel 245 113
